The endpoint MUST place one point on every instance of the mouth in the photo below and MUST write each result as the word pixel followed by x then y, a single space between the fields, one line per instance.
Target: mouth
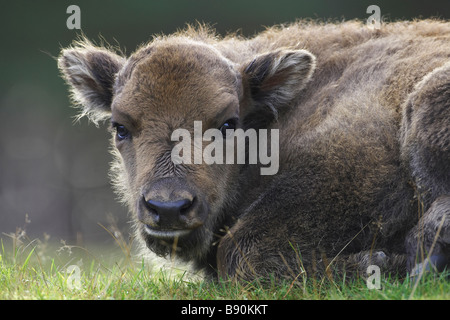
pixel 166 234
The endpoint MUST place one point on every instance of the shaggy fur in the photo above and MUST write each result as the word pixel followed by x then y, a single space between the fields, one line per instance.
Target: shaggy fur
pixel 364 120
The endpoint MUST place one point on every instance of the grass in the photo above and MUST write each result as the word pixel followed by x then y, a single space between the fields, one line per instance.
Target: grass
pixel 39 270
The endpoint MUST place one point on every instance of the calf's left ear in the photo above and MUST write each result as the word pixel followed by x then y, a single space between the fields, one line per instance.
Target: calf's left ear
pixel 275 79
pixel 90 72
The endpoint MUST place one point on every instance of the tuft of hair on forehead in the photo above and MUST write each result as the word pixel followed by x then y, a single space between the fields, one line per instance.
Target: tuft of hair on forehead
pixel 199 31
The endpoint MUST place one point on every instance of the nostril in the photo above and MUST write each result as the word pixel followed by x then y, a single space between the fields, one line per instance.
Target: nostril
pixel 172 208
pixel 148 205
pixel 147 214
pixel 186 206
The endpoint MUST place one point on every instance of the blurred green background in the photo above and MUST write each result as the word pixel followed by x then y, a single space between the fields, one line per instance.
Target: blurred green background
pixel 55 171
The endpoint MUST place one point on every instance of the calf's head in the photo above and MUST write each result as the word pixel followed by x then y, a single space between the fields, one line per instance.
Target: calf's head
pixel 172 83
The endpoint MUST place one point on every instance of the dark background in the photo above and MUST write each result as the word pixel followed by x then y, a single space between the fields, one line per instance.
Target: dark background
pixel 55 171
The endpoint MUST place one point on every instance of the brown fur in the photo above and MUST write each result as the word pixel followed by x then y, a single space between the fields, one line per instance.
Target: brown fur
pixel 364 130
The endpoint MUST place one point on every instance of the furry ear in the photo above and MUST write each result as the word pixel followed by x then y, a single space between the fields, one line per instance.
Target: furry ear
pixel 274 79
pixel 90 72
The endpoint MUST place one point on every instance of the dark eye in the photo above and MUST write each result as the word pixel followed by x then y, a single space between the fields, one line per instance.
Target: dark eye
pixel 228 125
pixel 121 132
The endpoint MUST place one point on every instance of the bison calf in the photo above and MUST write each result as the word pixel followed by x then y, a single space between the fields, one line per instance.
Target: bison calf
pixel 363 118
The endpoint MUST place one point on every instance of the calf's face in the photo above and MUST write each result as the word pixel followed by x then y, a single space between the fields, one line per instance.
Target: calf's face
pixel 172 84
pixel 168 88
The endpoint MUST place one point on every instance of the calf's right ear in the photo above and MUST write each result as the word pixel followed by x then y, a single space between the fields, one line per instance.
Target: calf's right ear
pixel 90 72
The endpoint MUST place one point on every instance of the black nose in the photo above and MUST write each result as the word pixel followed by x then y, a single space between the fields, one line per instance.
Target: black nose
pixel 168 213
